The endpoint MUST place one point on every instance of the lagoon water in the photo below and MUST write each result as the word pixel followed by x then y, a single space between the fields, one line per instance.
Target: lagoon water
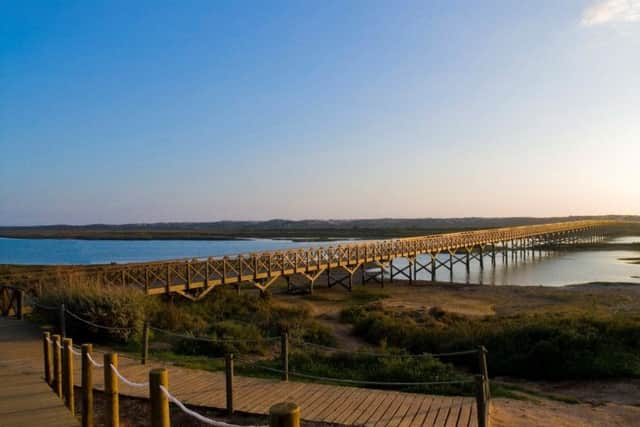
pixel 550 269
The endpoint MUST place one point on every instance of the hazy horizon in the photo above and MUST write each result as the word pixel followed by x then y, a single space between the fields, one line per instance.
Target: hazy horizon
pixel 462 218
pixel 151 112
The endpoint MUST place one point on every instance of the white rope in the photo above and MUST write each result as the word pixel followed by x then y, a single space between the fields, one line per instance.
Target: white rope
pixel 126 381
pixel 196 415
pixel 76 353
pixel 93 362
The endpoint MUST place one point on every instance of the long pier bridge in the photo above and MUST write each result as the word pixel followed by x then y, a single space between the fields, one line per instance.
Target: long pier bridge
pixel 338 265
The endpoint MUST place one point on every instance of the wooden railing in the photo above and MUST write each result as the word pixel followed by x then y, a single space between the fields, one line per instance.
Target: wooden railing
pixel 194 278
pixel 265 267
pixel 12 301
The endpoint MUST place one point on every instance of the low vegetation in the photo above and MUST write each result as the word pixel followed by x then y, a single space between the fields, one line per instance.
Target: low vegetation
pixel 564 345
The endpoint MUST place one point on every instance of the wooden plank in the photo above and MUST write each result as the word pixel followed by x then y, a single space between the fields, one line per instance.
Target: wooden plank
pixel 389 399
pixel 326 403
pixel 361 407
pixel 402 410
pixel 392 410
pixel 413 410
pixel 346 409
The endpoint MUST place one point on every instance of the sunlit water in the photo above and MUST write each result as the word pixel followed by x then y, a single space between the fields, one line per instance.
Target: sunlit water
pixel 68 251
pixel 548 268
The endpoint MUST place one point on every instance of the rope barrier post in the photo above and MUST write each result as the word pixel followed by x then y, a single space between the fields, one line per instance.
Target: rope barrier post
pixel 57 365
pixel 284 354
pixel 111 413
pixel 481 402
pixel 284 414
pixel 63 326
pixel 484 370
pixel 145 343
pixel 46 338
pixel 20 304
pixel 228 364
pixel 87 386
pixel 67 374
pixel 159 400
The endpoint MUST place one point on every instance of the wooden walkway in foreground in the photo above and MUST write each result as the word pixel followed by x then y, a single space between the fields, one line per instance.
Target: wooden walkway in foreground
pixel 25 399
pixel 318 402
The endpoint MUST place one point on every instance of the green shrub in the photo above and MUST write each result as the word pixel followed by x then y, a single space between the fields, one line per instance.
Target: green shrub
pixel 549 346
pixel 370 368
pixel 121 310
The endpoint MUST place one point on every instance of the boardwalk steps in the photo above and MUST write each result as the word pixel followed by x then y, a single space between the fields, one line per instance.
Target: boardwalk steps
pixel 25 399
pixel 318 402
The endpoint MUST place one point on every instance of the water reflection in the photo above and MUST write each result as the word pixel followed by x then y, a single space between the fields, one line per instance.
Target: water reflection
pixel 545 268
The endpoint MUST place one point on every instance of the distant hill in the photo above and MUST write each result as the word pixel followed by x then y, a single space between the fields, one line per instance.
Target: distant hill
pixel 309 229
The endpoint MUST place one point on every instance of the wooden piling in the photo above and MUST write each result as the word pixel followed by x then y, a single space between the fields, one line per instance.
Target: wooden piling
pixel 57 365
pixel 67 374
pixel 481 402
pixel 229 381
pixel 286 414
pixel 159 401
pixel 112 406
pixel 484 370
pixel 46 351
pixel 87 386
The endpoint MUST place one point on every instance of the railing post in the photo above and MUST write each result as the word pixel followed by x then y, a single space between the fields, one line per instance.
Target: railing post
pixel 57 365
pixel 63 325
pixel 484 370
pixel 20 304
pixel 87 386
pixel 46 347
pixel 229 381
pixel 111 413
pixel 284 355
pixel 481 401
pixel 159 400
pixel 286 414
pixel 145 343
pixel 67 374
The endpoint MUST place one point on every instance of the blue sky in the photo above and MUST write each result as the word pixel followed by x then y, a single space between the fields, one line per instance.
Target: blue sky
pixel 195 111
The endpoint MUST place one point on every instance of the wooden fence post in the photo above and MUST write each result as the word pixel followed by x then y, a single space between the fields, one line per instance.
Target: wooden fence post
pixel 284 354
pixel 63 324
pixel 87 386
pixel 67 374
pixel 145 343
pixel 46 347
pixel 481 401
pixel 229 380
pixel 159 401
pixel 20 304
pixel 484 370
pixel 285 414
pixel 112 407
pixel 57 365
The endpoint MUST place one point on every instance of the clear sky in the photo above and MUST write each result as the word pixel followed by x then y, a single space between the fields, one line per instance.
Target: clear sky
pixel 196 111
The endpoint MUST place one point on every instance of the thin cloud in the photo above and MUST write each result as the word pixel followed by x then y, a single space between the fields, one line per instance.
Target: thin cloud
pixel 611 11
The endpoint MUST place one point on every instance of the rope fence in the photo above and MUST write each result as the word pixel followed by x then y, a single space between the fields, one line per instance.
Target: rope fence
pixel 196 415
pixel 127 381
pixel 59 370
pixel 59 362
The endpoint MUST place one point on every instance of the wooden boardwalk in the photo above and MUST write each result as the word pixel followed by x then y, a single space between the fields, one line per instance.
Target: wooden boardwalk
pixel 318 402
pixel 25 399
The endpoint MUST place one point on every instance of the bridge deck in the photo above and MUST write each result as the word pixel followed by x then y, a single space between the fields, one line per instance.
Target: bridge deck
pixel 318 402
pixel 25 400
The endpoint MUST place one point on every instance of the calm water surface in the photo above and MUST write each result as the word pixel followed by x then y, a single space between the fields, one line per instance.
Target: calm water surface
pixel 550 269
pixel 66 251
